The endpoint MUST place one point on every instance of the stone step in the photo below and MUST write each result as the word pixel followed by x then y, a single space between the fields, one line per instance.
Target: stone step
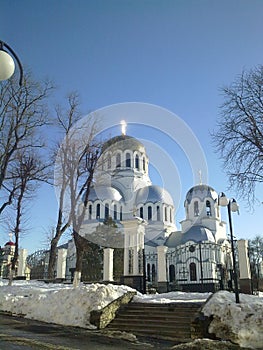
pixel 168 321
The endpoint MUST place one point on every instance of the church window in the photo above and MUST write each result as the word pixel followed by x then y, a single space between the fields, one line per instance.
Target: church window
pixel 128 160
pixel 137 161
pixel 115 212
pixel 143 164
pixel 171 273
pixel 130 261
pixel 98 211
pixel 141 212
pixel 106 211
pixel 90 211
pixel 153 273
pixel 118 160
pixel 120 213
pixel 149 272
pixel 158 213
pixel 208 208
pixel 149 213
pixel 165 214
pixel 196 209
pixel 193 272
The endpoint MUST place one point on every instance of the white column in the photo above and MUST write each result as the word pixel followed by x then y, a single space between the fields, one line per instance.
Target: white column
pixel 22 262
pixel 244 265
pixel 161 253
pixel 108 264
pixel 133 241
pixel 61 263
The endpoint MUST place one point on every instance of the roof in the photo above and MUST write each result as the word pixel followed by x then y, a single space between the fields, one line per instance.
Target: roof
pixel 124 142
pixel 10 243
pixel 153 194
pixel 195 233
pixel 104 193
pixel 202 192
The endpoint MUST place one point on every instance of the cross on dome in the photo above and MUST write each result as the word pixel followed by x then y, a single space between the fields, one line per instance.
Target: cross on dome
pixel 123 127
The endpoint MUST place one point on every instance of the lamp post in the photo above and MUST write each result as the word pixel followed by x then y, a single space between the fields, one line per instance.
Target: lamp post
pixel 232 206
pixel 7 65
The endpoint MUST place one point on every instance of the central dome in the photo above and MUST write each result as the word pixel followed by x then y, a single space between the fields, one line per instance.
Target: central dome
pixel 123 142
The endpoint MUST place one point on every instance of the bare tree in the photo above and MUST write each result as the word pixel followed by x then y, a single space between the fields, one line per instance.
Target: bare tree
pixel 23 112
pixel 255 248
pixel 76 162
pixel 26 173
pixel 239 137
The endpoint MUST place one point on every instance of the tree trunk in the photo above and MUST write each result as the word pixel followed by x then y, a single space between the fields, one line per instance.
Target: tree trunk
pixel 79 258
pixel 52 258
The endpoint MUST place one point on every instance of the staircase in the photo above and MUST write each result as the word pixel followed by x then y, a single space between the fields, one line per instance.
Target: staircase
pixel 168 321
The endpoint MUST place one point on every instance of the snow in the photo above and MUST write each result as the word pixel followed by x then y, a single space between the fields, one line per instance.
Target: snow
pixel 62 304
pixel 175 297
pixel 241 323
pixel 57 303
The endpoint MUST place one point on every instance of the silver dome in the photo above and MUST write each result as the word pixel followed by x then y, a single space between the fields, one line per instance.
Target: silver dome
pixel 153 194
pixel 195 234
pixel 104 193
pixel 202 192
pixel 123 142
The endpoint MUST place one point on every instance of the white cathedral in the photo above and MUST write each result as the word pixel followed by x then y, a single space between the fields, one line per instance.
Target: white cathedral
pixel 156 254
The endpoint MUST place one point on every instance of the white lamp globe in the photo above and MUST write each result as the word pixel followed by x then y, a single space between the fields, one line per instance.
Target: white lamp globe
pixel 7 65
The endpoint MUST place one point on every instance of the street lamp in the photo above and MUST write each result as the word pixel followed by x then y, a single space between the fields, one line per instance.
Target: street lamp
pixel 232 206
pixel 7 65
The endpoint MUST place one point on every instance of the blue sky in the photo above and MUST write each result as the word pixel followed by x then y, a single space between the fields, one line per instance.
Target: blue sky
pixel 174 54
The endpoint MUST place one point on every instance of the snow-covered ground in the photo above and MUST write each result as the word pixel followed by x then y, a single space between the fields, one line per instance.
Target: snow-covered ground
pixel 62 304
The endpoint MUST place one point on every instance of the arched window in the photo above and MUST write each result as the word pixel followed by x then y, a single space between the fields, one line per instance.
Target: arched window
pixel 149 213
pixel 98 211
pixel 115 212
pixel 90 211
pixel 208 208
pixel 120 213
pixel 141 212
pixel 153 273
pixel 171 273
pixel 128 160
pixel 143 164
pixel 137 161
pixel 192 271
pixel 196 209
pixel 149 272
pixel 106 216
pixel 109 161
pixel 118 160
pixel 165 214
pixel 158 213
pixel 171 215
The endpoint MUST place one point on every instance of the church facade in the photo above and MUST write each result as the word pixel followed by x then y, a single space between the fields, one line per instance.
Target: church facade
pixel 156 254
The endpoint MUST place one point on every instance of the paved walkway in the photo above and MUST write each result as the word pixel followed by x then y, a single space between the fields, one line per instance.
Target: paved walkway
pixel 22 334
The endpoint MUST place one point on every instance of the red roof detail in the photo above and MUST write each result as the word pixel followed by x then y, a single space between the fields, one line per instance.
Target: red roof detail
pixel 9 243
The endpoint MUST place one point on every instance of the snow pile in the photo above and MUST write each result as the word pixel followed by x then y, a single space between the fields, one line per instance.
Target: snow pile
pixel 62 304
pixel 241 323
pixel 57 303
pixel 171 297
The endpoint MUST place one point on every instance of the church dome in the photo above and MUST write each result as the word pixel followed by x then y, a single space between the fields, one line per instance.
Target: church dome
pixel 197 234
pixel 153 194
pixel 202 192
pixel 123 142
pixel 10 243
pixel 104 193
